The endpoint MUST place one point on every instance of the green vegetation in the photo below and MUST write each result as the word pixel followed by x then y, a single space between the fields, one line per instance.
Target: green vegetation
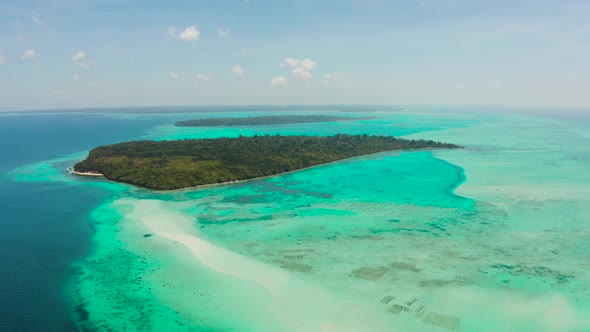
pixel 188 163
pixel 262 120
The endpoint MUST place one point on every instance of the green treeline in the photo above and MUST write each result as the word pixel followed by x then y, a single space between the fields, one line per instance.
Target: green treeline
pixel 188 163
pixel 262 120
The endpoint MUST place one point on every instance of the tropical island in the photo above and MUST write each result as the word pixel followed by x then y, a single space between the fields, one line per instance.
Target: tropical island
pixel 264 120
pixel 166 165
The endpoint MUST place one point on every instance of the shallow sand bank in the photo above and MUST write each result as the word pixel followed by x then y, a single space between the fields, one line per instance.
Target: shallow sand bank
pixel 284 301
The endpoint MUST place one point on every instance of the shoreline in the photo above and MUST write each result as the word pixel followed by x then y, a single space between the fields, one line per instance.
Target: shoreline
pixel 90 174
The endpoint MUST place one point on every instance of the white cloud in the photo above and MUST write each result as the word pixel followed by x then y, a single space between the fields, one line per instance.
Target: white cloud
pixel 79 56
pixel 173 75
pixel 301 67
pixel 76 77
pixel 238 71
pixel 291 62
pixel 278 81
pixel 300 74
pixel 57 92
pixel 204 77
pixel 190 34
pixel 29 55
pixel 308 64
pixel 98 84
pixel 36 20
pixel 2 59
pixel 223 33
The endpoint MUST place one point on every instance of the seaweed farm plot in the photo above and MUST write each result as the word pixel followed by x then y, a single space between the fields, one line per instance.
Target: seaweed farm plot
pixel 419 311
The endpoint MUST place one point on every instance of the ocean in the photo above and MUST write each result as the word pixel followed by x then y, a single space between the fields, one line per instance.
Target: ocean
pixel 492 237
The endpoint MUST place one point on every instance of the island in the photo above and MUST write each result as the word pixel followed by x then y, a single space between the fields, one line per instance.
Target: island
pixel 264 120
pixel 166 165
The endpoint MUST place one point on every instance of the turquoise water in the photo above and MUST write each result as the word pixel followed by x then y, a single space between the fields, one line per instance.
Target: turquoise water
pixel 489 238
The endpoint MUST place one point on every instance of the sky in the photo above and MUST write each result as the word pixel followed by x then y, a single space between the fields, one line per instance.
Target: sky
pixel 107 53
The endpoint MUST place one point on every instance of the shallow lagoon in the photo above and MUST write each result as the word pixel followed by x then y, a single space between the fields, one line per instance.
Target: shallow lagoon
pixel 492 237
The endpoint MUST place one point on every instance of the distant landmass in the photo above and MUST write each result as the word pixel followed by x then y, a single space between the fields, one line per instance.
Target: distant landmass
pixel 179 164
pixel 263 120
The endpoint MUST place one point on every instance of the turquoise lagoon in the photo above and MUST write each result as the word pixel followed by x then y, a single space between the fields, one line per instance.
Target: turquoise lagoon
pixel 493 237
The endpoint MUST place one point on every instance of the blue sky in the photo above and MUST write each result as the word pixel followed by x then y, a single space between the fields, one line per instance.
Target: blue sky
pixel 62 53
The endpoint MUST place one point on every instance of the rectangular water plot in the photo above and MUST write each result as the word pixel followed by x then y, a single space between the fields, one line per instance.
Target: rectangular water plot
pixel 440 320
pixel 386 299
pixel 298 267
pixel 396 309
pixel 369 273
pixel 421 311
pixel 410 302
pixel 293 257
pixel 405 266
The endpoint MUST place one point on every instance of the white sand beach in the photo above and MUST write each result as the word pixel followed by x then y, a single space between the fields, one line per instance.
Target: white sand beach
pixel 91 174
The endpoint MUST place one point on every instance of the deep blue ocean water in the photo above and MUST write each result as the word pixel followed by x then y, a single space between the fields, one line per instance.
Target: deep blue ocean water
pixel 42 224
